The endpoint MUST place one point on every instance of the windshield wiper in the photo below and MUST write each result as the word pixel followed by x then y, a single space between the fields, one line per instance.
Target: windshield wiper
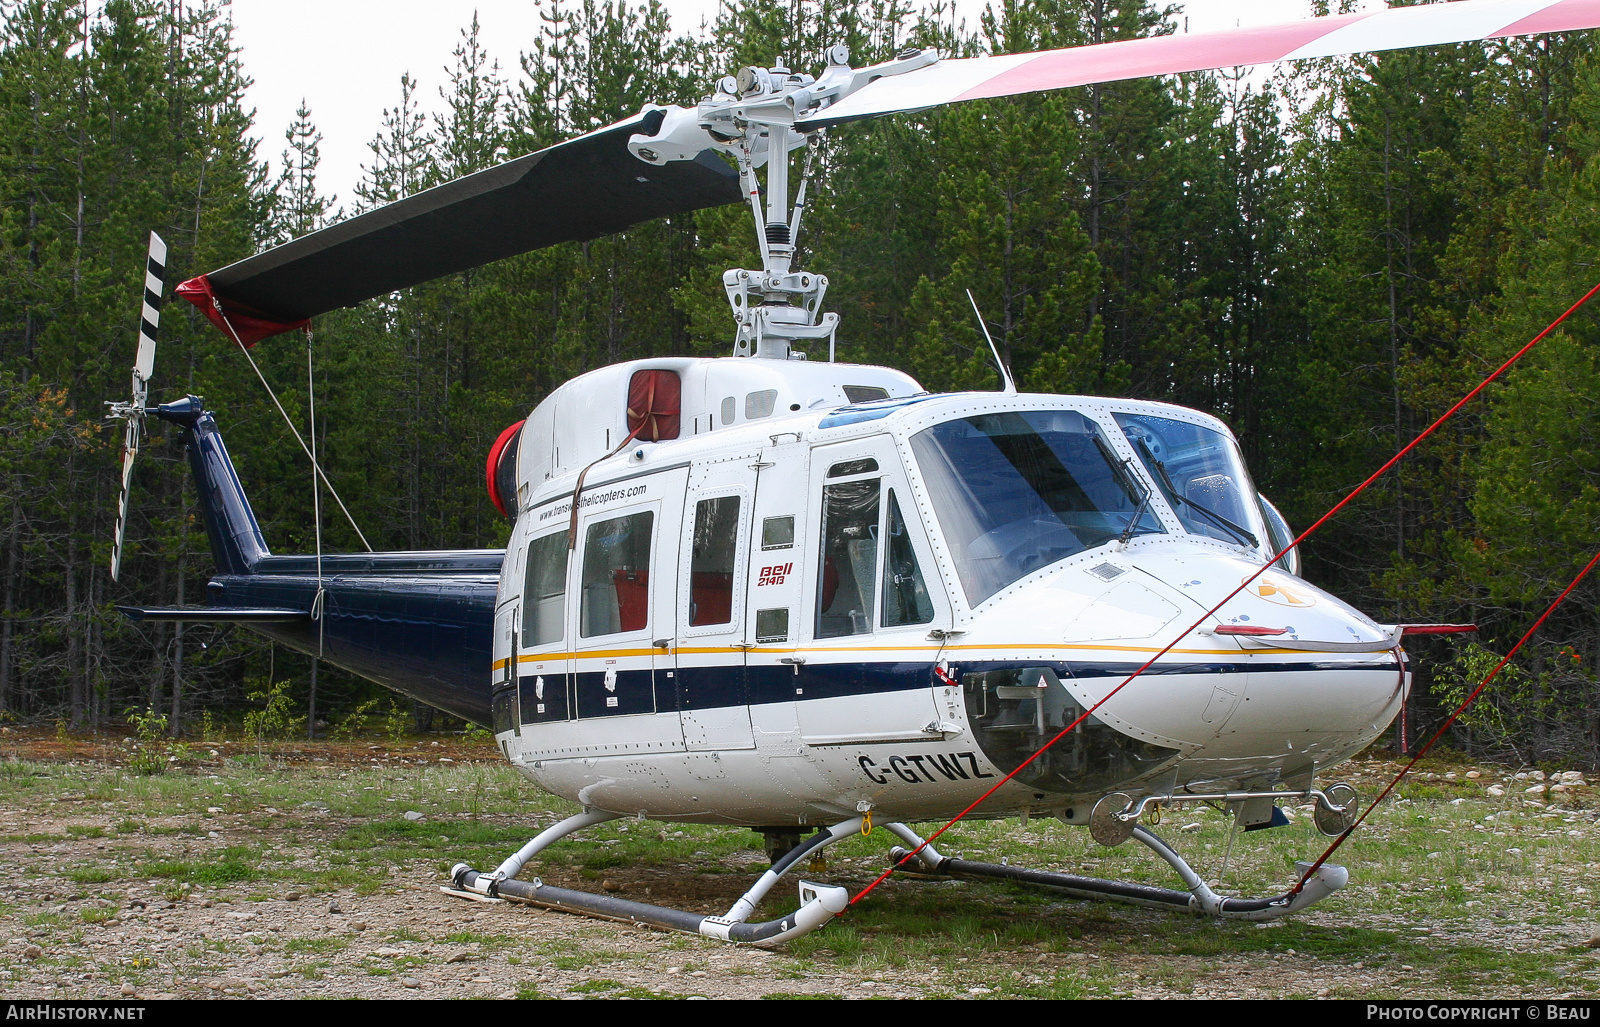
pixel 1119 470
pixel 1241 534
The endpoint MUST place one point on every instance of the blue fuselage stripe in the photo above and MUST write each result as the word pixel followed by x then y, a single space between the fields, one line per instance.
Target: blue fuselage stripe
pixel 552 696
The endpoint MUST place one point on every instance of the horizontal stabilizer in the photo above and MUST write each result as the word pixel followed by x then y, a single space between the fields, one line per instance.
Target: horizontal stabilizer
pixel 214 615
pixel 580 189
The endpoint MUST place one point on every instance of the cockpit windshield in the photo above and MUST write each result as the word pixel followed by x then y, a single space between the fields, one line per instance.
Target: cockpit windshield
pixel 1017 491
pixel 1201 475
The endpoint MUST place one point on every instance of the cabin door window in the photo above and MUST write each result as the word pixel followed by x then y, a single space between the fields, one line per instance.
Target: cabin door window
pixel 616 575
pixel 847 571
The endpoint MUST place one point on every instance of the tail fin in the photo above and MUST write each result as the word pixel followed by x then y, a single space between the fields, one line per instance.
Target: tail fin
pixel 236 540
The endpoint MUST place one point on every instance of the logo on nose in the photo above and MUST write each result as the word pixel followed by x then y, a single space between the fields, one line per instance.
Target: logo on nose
pixel 1276 590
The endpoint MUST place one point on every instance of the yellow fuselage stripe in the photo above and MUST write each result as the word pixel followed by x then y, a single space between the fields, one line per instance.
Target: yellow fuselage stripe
pixel 613 654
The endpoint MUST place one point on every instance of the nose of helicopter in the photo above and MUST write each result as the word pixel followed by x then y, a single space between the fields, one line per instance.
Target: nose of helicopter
pixel 1320 686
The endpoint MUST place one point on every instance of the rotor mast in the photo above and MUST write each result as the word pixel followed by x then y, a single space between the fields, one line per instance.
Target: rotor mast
pixel 752 117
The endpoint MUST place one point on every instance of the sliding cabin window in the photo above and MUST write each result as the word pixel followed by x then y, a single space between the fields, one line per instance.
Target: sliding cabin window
pixel 905 596
pixel 544 590
pixel 616 575
pixel 711 564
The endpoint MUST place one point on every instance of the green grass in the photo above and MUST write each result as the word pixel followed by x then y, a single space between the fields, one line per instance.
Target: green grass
pixel 93 875
pixel 1494 878
pixel 228 866
pixel 487 941
pixel 319 945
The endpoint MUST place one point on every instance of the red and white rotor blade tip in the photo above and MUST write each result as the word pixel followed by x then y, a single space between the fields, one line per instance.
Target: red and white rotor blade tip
pixel 1392 29
pixel 155 273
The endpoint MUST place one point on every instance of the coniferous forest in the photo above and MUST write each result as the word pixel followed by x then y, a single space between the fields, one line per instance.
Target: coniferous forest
pixel 1327 260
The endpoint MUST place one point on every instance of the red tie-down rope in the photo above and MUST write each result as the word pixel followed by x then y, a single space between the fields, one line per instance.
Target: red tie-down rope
pixel 1440 733
pixel 1380 472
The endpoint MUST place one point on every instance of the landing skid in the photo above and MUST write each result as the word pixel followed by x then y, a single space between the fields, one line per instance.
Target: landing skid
pixel 1200 898
pixel 819 903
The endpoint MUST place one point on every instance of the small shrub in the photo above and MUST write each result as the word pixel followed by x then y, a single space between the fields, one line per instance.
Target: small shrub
pixel 276 717
pixel 153 752
pixel 212 729
pixel 396 721
pixel 351 723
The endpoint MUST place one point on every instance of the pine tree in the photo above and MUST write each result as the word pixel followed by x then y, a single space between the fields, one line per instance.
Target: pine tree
pixel 301 209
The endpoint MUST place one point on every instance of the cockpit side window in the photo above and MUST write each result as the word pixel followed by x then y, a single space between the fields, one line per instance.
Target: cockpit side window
pixel 848 569
pixel 711 562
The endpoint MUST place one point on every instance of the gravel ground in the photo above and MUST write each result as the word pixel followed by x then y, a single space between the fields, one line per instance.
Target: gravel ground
pixel 64 935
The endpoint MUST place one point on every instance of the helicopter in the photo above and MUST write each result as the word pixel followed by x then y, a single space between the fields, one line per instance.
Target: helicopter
pixel 789 594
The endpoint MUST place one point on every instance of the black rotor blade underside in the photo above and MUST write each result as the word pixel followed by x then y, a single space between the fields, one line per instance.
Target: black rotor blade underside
pixel 581 189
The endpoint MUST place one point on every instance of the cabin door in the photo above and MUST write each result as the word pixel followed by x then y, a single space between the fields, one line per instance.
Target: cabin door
pixel 617 573
pixel 775 620
pixel 712 695
pixel 503 703
pixel 544 662
pixel 868 672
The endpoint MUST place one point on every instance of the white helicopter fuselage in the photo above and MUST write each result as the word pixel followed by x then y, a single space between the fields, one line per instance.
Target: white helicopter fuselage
pixel 803 608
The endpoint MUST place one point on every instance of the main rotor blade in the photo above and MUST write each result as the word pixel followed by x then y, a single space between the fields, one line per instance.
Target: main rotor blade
pixel 1392 29
pixel 580 189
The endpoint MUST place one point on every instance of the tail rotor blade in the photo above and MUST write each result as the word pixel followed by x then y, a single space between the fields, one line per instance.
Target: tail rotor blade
pixel 130 449
pixel 155 273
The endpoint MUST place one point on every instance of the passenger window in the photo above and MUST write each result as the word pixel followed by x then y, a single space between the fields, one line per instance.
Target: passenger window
pixel 727 410
pixel 711 563
pixel 544 590
pixel 616 576
pixel 905 597
pixel 849 565
pixel 759 404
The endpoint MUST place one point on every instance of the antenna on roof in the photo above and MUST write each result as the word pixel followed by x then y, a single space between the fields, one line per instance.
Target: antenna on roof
pixel 1008 386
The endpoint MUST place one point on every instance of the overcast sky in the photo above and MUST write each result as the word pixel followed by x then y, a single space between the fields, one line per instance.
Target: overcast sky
pixel 345 57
